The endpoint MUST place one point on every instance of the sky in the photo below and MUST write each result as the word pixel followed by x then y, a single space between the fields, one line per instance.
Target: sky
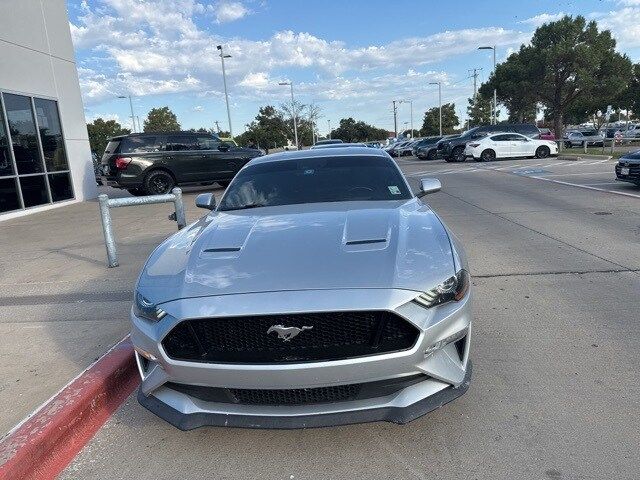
pixel 349 57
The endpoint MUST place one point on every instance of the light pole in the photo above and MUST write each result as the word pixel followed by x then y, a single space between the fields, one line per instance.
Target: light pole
pixel 410 102
pixel 133 117
pixel 224 81
pixel 495 94
pixel 439 101
pixel 329 123
pixel 293 112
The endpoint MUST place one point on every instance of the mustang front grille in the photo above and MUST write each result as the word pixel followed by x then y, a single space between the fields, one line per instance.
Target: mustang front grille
pixel 290 338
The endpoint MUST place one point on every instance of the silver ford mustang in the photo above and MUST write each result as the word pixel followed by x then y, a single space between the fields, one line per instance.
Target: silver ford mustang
pixel 319 292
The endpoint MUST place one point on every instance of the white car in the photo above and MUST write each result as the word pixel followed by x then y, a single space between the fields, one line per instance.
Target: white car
pixel 509 145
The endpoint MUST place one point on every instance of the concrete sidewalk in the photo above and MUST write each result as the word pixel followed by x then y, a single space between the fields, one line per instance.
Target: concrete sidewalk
pixel 61 306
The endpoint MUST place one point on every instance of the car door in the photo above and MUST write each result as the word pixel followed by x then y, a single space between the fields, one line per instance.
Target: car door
pixel 520 145
pixel 184 159
pixel 219 160
pixel 501 144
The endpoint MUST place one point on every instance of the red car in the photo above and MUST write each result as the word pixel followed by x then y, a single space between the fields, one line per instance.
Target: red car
pixel 547 134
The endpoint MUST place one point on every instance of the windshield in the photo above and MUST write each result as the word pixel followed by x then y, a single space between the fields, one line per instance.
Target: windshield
pixel 314 180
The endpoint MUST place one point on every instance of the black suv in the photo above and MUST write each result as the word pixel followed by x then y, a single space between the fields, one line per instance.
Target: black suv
pixel 452 149
pixel 154 163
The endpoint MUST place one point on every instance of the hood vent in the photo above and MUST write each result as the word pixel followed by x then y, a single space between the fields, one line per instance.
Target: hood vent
pixel 366 242
pixel 222 250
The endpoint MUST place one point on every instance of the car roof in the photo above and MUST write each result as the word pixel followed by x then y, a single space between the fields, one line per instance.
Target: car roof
pixel 337 145
pixel 155 134
pixel 320 153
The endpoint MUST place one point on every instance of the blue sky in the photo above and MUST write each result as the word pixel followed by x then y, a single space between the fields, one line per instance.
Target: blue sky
pixel 352 58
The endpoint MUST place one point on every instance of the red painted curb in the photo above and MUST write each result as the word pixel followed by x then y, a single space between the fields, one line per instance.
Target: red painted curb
pixel 42 446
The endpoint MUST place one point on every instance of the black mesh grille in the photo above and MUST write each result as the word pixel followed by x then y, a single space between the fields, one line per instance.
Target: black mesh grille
pixel 297 396
pixel 333 336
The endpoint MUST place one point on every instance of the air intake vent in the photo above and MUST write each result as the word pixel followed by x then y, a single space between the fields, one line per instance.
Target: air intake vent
pixel 223 249
pixel 366 242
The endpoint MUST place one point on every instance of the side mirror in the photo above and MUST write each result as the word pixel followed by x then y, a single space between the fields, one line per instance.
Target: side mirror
pixel 224 147
pixel 429 185
pixel 206 200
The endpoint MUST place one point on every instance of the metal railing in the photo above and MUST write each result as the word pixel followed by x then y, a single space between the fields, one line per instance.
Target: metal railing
pixel 105 214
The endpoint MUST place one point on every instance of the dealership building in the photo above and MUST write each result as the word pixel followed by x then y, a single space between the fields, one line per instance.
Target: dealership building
pixel 45 159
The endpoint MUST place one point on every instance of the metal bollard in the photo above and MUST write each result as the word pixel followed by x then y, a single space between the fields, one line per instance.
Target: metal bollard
pixel 109 241
pixel 105 215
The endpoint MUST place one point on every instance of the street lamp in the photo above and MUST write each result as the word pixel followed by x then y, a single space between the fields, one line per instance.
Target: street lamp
pixel 133 117
pixel 224 81
pixel 410 102
pixel 439 101
pixel 495 95
pixel 293 111
pixel 329 123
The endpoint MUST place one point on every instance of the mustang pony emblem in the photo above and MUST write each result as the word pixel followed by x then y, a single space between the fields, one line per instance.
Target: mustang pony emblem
pixel 286 333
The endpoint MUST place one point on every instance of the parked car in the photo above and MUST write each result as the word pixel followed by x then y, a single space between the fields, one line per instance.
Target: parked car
pixel 547 134
pixel 97 167
pixel 407 149
pixel 628 168
pixel 336 145
pixel 328 141
pixel 426 149
pixel 154 163
pixel 393 148
pixel 452 149
pixel 578 138
pixel 509 145
pixel 631 131
pixel 609 132
pixel 320 291
pixel 373 144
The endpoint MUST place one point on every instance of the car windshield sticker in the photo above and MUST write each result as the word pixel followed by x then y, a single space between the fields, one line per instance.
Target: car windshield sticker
pixel 394 190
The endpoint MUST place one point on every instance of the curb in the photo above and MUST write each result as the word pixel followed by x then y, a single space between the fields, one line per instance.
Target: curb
pixel 45 442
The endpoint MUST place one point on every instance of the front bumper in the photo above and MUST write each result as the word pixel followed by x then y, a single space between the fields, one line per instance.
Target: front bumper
pixel 446 371
pixel 394 410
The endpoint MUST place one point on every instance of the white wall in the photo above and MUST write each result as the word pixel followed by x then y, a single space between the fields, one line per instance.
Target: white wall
pixel 37 58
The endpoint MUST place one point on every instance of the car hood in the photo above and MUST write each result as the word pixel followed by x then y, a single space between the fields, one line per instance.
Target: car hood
pixel 389 244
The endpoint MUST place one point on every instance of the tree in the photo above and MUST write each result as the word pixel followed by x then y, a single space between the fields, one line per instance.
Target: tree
pixel 479 110
pixel 161 120
pixel 514 89
pixel 568 61
pixel 268 130
pixel 100 131
pixel 431 122
pixel 351 130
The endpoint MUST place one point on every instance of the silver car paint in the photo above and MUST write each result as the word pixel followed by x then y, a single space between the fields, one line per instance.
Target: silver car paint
pixel 292 259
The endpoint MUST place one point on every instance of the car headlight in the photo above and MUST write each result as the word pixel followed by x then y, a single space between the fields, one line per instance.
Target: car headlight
pixel 454 288
pixel 143 308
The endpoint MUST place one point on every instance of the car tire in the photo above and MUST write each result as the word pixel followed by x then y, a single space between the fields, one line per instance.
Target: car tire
pixel 567 145
pixel 136 192
pixel 158 182
pixel 432 154
pixel 458 154
pixel 487 155
pixel 543 152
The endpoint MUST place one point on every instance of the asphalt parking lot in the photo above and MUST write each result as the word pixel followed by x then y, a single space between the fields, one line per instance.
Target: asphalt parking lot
pixel 555 392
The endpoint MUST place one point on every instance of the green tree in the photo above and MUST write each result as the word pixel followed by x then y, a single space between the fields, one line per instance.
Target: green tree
pixel 514 88
pixel 351 130
pixel 268 130
pixel 100 131
pixel 479 110
pixel 161 120
pixel 568 62
pixel 431 121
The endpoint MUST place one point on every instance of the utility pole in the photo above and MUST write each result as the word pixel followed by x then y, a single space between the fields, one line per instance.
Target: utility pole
pixel 217 125
pixel 395 119
pixel 475 81
pixel 224 81
pixel 329 123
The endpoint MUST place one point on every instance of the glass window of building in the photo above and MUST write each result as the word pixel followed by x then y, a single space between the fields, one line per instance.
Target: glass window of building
pixel 22 129
pixel 48 120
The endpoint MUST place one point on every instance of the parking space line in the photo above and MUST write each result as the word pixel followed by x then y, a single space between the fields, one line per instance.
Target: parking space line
pixel 615 192
pixel 603 183
pixel 573 174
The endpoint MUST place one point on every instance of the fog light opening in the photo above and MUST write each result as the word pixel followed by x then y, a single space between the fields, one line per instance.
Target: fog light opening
pixel 459 338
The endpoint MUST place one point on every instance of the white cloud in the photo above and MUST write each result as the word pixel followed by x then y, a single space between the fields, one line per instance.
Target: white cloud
pixel 543 18
pixel 226 11
pixel 257 81
pixel 198 108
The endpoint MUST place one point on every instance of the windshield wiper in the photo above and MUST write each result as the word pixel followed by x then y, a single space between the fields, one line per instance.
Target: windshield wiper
pixel 244 207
